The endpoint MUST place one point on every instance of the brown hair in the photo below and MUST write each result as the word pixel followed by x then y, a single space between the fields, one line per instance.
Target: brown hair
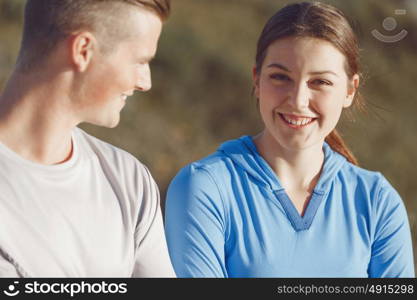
pixel 46 22
pixel 322 21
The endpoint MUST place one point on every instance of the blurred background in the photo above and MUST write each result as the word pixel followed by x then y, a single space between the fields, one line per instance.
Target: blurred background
pixel 201 93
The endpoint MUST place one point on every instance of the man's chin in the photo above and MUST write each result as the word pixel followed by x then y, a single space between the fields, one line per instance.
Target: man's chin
pixel 111 126
pixel 107 124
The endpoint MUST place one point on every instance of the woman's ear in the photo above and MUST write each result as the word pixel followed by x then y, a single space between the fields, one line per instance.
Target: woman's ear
pixel 83 45
pixel 353 85
pixel 255 78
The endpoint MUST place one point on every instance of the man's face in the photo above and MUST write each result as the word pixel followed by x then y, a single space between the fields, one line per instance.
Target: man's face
pixel 112 77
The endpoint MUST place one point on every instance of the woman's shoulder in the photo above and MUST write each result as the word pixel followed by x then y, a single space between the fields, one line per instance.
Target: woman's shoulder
pixel 362 174
pixel 372 182
pixel 358 172
pixel 206 168
pixel 199 182
pixel 222 160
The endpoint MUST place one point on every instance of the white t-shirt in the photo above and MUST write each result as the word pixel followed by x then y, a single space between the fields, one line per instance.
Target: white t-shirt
pixel 96 215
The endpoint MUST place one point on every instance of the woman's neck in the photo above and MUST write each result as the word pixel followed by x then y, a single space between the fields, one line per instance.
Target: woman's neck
pixel 297 169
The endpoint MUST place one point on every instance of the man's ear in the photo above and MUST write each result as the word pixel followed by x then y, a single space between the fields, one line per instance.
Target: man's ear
pixel 83 46
pixel 255 78
pixel 353 85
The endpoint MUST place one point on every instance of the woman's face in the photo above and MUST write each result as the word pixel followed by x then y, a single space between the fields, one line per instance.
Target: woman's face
pixel 302 88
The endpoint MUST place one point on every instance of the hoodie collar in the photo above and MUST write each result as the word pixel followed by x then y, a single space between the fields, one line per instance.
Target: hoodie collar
pixel 245 154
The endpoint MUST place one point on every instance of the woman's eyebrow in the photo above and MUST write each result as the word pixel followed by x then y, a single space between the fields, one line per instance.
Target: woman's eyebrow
pixel 279 66
pixel 323 72
pixel 282 67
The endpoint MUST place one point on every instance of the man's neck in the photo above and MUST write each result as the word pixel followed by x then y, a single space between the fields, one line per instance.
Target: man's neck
pixel 35 118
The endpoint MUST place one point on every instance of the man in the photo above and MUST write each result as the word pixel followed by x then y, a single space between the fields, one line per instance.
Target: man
pixel 70 204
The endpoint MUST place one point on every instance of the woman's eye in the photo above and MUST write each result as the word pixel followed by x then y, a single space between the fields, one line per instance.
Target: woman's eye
pixel 280 77
pixel 321 82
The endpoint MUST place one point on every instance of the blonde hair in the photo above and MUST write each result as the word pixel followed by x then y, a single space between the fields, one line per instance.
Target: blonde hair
pixel 46 22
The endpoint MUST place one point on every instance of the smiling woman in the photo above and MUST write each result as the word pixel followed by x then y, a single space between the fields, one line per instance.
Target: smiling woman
pixel 302 98
pixel 291 201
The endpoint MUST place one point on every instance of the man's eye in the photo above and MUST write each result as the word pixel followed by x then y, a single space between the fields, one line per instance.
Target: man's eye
pixel 280 77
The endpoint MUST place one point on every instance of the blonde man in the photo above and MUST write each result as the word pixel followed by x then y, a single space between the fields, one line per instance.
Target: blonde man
pixel 70 204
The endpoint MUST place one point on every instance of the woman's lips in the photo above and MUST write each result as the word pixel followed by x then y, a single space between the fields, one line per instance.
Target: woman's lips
pixel 294 121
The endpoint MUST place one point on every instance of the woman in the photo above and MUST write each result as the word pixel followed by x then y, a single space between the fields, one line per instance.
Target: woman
pixel 291 201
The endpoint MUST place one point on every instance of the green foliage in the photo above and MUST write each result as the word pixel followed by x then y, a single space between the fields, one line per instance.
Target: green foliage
pixel 202 87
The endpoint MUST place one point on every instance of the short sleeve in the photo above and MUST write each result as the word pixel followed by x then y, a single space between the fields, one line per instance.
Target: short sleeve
pixel 392 253
pixel 151 257
pixel 195 224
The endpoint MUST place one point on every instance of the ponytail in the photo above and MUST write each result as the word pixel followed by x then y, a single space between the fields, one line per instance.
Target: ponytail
pixel 336 142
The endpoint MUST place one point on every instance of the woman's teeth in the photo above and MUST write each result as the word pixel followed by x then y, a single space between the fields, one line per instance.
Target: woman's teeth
pixel 298 121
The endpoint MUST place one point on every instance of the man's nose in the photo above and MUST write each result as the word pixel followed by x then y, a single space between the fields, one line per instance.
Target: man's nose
pixel 144 82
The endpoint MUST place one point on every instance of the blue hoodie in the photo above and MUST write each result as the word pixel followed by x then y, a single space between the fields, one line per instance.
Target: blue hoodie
pixel 227 215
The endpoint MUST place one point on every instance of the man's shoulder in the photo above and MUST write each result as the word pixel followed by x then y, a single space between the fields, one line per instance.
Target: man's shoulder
pixel 101 146
pixel 115 156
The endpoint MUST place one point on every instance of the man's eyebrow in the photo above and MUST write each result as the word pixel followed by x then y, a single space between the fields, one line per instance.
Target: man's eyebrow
pixel 282 67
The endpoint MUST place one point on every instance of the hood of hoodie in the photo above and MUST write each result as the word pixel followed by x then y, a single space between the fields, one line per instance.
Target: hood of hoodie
pixel 243 153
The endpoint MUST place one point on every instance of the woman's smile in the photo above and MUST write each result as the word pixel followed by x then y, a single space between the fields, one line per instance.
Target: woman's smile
pixel 296 122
